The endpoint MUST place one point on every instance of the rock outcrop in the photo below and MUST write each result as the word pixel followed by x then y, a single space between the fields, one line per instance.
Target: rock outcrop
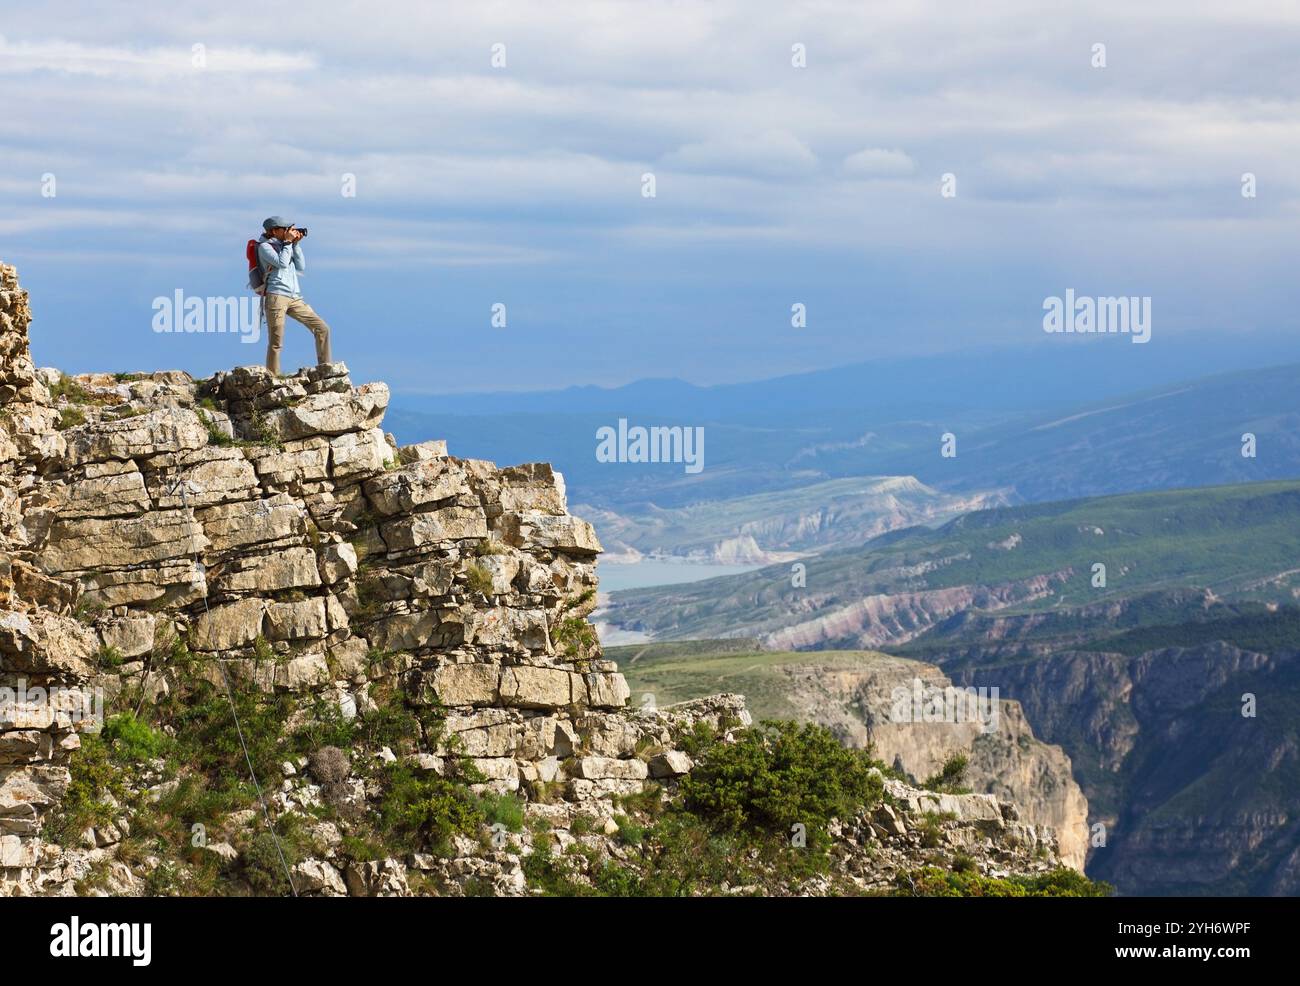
pixel 859 701
pixel 1194 797
pixel 264 531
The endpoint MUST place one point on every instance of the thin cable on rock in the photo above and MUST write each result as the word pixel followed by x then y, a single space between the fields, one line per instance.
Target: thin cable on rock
pixel 230 697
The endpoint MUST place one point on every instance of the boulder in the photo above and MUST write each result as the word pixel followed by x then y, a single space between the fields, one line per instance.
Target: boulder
pixel 302 619
pixel 670 763
pixel 168 429
pixel 81 544
pixel 418 486
pixel 233 625
pixel 467 684
pixel 316 876
pixel 337 562
pixel 378 878
pixel 536 688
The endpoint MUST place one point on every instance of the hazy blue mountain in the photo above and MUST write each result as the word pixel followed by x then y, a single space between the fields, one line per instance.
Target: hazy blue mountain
pixel 1183 434
pixel 1056 373
pixel 1173 434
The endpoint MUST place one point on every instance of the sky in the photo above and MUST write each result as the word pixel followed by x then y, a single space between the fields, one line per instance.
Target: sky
pixel 142 146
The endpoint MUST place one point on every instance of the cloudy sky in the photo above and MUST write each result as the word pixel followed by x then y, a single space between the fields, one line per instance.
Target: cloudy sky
pixel 171 134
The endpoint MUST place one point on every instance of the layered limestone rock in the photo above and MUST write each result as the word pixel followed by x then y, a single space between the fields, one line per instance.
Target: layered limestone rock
pixel 268 528
pixel 911 715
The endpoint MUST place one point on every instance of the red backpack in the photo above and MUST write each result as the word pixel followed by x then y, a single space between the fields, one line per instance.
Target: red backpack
pixel 256 276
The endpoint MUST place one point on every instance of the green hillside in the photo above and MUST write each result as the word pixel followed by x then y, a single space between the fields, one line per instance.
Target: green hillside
pixel 680 671
pixel 1240 543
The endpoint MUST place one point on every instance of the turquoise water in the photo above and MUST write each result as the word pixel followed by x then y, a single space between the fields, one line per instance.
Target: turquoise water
pixel 647 573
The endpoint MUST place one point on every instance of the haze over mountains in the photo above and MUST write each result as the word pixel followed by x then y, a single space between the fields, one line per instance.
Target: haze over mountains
pixel 1041 424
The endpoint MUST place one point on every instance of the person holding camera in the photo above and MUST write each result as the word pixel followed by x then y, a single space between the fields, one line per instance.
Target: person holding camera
pixel 279 252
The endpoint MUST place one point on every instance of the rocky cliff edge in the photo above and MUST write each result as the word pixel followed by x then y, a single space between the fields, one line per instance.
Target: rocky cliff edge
pixel 259 534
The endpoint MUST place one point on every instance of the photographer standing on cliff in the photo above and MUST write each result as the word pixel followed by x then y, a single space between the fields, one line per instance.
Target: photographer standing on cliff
pixel 279 254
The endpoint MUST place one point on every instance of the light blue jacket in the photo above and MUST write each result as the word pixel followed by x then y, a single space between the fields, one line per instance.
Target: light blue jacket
pixel 281 263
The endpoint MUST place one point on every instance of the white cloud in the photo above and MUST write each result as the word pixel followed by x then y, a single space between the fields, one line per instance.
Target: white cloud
pixel 75 58
pixel 773 153
pixel 876 162
pixel 595 94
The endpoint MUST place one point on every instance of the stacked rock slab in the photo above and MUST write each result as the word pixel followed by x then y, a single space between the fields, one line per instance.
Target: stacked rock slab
pixel 272 525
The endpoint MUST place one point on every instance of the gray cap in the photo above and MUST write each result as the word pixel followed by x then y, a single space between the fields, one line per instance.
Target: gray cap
pixel 275 221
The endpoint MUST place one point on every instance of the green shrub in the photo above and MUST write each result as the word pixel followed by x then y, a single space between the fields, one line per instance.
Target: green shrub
pixel 216 436
pixel 325 725
pixel 930 881
pixel 963 863
pixel 781 774
pixel 732 826
pixel 951 776
pixel 629 832
pixel 262 428
pixel 70 417
pixel 361 850
pixel 260 864
pixel 931 829
pixel 208 740
pixel 479 579
pixel 503 809
pixel 683 856
pixel 173 650
pixel 163 880
pixel 369 599
pixel 68 389
pixel 575 634
pixel 550 874
pixel 700 737
pixel 392 724
pixel 94 778
pixel 426 811
pixel 110 658
pixel 131 739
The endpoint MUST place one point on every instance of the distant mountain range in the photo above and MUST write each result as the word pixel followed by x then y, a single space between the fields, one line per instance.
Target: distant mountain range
pixel 1180 548
pixel 1179 435
pixel 783 524
pixel 1028 428
pixel 1055 373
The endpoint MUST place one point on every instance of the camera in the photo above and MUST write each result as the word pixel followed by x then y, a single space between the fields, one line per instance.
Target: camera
pixel 301 229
